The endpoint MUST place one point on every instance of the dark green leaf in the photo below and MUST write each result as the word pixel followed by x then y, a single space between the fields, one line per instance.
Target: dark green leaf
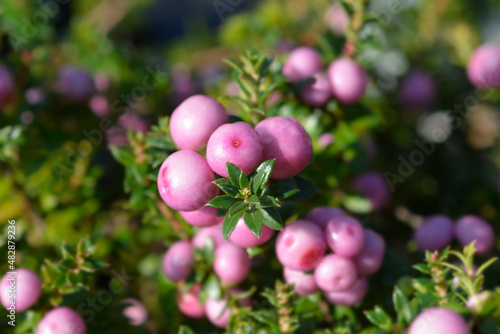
pixel 185 330
pixel 280 190
pixel 402 307
pixel 379 318
pixel 239 206
pixel 257 181
pixel 223 202
pixel 307 189
pixel 229 223
pixel 267 202
pixel 244 183
pixel 254 221
pixel 229 189
pixel 234 173
pixel 271 218
pixel 123 154
pixel 266 167
pixel 253 199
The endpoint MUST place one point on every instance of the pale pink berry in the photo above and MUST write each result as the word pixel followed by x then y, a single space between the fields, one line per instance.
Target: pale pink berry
pixel 348 80
pixel 99 105
pixel 135 311
pixel 185 181
pixel 303 62
pixel 371 256
pixel 178 261
pixel 242 236
pixel 476 302
pixel 337 19
pixel 287 141
pixel 237 143
pixel 27 287
pixel 439 321
pixel 300 245
pixel 61 320
pixel 194 120
pixel 303 283
pixel 212 232
pixel 218 312
pixel 418 90
pixel 203 217
pixel 351 296
pixel 484 66
pixel 189 302
pixel 335 273
pixel 345 236
pixel 373 185
pixel 469 228
pixel 231 263
pixel 435 233
pixel 323 214
pixel 317 93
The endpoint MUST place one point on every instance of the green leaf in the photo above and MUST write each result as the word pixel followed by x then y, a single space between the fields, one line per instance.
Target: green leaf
pixel 222 180
pixel 123 154
pixel 223 202
pixel 357 203
pixel 185 330
pixel 307 189
pixel 229 189
pixel 271 218
pixel 379 318
pixel 280 190
pixel 485 266
pixel 266 167
pixel 212 287
pixel 244 183
pixel 253 200
pixel 234 173
pixel 402 307
pixel 229 223
pixel 423 268
pixel 267 202
pixel 239 206
pixel 254 221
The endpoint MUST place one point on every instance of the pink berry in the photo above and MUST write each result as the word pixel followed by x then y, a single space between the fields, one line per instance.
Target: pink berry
pixel 438 321
pixel 476 302
pixel 335 273
pixel 218 312
pixel 236 143
pixel 484 66
pixel 435 233
pixel 323 214
pixel 185 181
pixel 7 87
pixel 470 228
pixel 189 303
pixel 135 311
pixel 303 62
pixel 336 19
pixel 61 320
pixel 286 141
pixel 373 185
pixel 203 217
pixel 231 263
pixel 99 105
pixel 242 236
pixel 325 140
pixel 317 93
pixel 418 90
pixel 351 296
pixel 371 256
pixel 27 289
pixel 34 95
pixel 300 245
pixel 213 232
pixel 348 80
pixel 178 261
pixel 194 120
pixel 303 283
pixel 345 236
pixel 74 83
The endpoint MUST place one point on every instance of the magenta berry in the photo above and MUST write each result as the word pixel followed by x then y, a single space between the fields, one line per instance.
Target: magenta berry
pixel 194 120
pixel 336 19
pixel 135 311
pixel 348 80
pixel 213 232
pixel 236 143
pixel 373 185
pixel 286 141
pixel 74 83
pixel 231 263
pixel 351 296
pixel 7 87
pixel 317 93
pixel 303 62
pixel 99 105
pixel 189 302
pixel 300 245
pixel 484 66
pixel 303 283
pixel 323 214
pixel 185 181
pixel 218 312
pixel 61 320
pixel 335 273
pixel 203 217
pixel 470 228
pixel 242 236
pixel 345 236
pixel 418 90
pixel 28 288
pixel 371 256
pixel 178 261
pixel 435 233
pixel 439 321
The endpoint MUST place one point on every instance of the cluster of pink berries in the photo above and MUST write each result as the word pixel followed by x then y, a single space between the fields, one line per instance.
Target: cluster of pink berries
pixel 357 252
pixel 344 80
pixel 437 232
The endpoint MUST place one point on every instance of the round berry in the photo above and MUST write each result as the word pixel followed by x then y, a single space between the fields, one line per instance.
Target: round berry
pixel 28 289
pixel 135 312
pixel 438 321
pixel 371 256
pixel 218 312
pixel 335 273
pixel 231 263
pixel 236 143
pixel 7 87
pixel 242 236
pixel 435 233
pixel 484 66
pixel 300 245
pixel 194 120
pixel 345 236
pixel 323 214
pixel 286 141
pixel 203 217
pixel 372 185
pixel 303 283
pixel 178 261
pixel 351 296
pixel 213 232
pixel 337 19
pixel 185 181
pixel 189 303
pixel 99 105
pixel 348 80
pixel 303 62
pixel 470 228
pixel 317 93
pixel 418 90
pixel 61 320
pixel 74 83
